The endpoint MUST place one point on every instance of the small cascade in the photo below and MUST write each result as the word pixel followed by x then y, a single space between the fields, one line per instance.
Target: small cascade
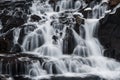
pixel 36 69
pixel 49 50
pixel 0 25
pixel 81 51
pixel 33 40
pixel 90 27
pixel 78 4
pixel 99 10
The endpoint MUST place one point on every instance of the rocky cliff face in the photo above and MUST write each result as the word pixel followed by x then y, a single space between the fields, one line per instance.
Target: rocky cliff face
pixel 13 14
pixel 109 31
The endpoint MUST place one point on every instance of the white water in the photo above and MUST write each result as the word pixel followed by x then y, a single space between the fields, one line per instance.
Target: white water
pixel 87 56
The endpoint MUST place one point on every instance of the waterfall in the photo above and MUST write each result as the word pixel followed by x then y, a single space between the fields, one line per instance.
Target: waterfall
pixel 67 46
pixel 87 55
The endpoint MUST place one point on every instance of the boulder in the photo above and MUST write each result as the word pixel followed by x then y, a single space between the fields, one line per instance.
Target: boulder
pixel 14 13
pixel 78 23
pixel 16 48
pixel 87 12
pixel 6 41
pixel 113 3
pixel 88 1
pixel 4 45
pixel 12 22
pixel 68 42
pixel 89 77
pixel 53 3
pixel 112 53
pixel 35 18
pixel 21 78
pixel 108 33
pixel 5 77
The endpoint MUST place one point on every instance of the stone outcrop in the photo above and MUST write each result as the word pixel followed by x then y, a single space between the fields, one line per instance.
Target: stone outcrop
pixel 35 18
pixel 113 3
pixel 109 32
pixel 6 41
pixel 68 42
pixel 14 13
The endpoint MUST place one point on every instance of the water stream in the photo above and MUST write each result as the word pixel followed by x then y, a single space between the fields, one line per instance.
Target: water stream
pixel 50 40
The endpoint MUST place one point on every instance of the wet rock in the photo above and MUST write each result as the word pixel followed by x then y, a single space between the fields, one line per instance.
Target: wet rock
pixel 91 3
pixel 53 4
pixel 90 77
pixel 55 38
pixel 21 78
pixel 12 18
pixel 4 44
pixel 87 13
pixel 53 1
pixel 112 53
pixel 5 77
pixel 88 1
pixel 14 3
pixel 35 18
pixel 113 3
pixel 17 48
pixel 6 41
pixel 12 22
pixel 68 42
pixel 110 39
pixel 78 23
pixel 14 14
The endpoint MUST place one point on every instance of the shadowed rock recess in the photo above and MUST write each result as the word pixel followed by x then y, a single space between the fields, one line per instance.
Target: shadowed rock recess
pixel 59 39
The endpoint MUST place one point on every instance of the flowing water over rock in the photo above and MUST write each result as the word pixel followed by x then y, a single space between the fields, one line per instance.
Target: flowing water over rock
pixel 62 37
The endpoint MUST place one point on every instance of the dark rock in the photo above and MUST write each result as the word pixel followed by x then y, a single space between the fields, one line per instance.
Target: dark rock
pixel 108 34
pixel 88 1
pixel 4 44
pixel 12 22
pixel 68 42
pixel 113 3
pixel 78 23
pixel 14 13
pixel 21 78
pixel 55 38
pixel 87 13
pixel 110 38
pixel 6 41
pixel 92 3
pixel 112 53
pixel 17 48
pixel 53 3
pixel 91 77
pixel 35 18
pixel 5 77
pixel 15 19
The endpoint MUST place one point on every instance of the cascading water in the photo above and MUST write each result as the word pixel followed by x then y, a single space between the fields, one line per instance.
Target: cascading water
pixel 50 38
